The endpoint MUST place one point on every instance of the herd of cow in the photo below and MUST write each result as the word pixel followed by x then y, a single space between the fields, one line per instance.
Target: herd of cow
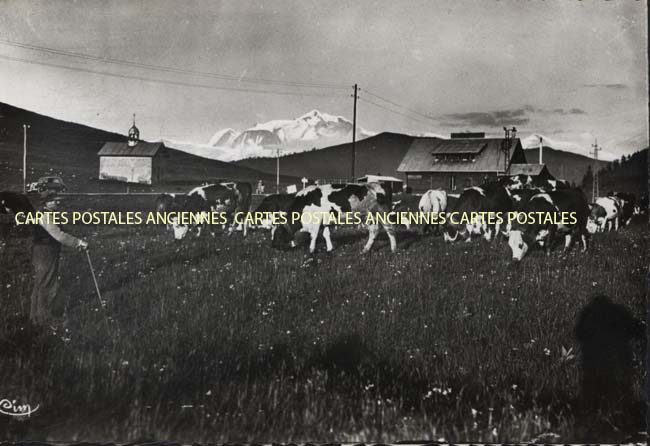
pixel 510 194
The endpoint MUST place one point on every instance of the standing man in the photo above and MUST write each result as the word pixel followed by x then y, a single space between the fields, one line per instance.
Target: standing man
pixel 46 251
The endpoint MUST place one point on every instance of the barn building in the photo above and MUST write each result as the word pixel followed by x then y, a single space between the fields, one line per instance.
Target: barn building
pixel 133 161
pixel 464 160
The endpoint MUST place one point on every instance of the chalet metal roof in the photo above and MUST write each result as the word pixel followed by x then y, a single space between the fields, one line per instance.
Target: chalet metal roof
pixel 458 146
pixel 526 169
pixel 142 148
pixel 487 155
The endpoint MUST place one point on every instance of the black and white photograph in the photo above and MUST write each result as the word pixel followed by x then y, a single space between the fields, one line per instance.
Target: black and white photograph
pixel 342 222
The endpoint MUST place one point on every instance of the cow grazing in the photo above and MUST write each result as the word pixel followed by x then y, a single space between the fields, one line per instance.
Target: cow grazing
pixel 274 204
pixel 604 215
pixel 406 203
pixel 433 201
pixel 229 198
pixel 317 201
pixel 478 211
pixel 627 204
pixel 525 236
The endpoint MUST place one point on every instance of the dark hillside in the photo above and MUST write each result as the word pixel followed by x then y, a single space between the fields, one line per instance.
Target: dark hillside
pixel 381 153
pixel 56 147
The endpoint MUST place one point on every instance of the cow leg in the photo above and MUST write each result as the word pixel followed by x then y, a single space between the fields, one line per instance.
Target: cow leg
pixel 487 232
pixel 372 234
pixel 497 230
pixel 567 241
pixel 583 236
pixel 328 239
pixel 391 237
pixel 550 240
pixel 313 234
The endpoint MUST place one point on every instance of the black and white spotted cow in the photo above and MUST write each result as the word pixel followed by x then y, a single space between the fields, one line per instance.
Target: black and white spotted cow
pixel 277 204
pixel 522 181
pixel 627 204
pixel 516 182
pixel 526 235
pixel 314 201
pixel 478 212
pixel 406 203
pixel 229 198
pixel 604 215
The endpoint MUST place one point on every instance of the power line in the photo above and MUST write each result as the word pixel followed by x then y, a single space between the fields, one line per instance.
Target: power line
pixel 361 98
pixel 169 82
pixel 169 69
pixel 399 105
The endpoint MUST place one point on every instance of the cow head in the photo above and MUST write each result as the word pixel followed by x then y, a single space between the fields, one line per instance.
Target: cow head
pixel 592 225
pixel 517 244
pixel 180 231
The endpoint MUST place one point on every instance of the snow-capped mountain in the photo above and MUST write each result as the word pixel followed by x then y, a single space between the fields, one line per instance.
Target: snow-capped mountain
pixel 223 137
pixel 532 142
pixel 311 130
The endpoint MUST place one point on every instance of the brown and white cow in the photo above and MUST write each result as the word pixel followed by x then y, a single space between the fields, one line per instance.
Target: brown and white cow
pixel 360 199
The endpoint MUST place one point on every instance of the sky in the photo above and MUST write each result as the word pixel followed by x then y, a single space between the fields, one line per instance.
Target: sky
pixel 570 70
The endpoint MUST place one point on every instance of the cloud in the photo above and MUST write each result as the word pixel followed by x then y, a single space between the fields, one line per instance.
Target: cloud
pixel 498 118
pixel 608 86
pixel 486 119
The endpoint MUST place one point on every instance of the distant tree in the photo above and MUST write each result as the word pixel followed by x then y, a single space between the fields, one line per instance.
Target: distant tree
pixel 587 179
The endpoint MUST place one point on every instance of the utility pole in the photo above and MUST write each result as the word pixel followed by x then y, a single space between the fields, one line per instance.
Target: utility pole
pixel 594 187
pixel 354 134
pixel 25 127
pixel 277 170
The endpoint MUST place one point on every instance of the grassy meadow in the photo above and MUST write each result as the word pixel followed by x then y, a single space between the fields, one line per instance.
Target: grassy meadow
pixel 218 339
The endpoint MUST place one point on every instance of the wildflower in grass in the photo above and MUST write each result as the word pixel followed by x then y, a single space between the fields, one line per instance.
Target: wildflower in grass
pixel 566 355
pixel 547 352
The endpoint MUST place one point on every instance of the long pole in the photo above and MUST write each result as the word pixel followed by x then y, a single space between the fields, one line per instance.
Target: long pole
pixel 25 127
pixel 594 192
pixel 354 134
pixel 277 171
pixel 541 148
pixel 92 272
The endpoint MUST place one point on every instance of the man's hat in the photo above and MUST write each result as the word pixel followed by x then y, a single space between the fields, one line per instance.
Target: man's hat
pixel 49 195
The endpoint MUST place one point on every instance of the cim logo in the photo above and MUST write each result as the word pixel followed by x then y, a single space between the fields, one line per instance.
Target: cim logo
pixel 13 409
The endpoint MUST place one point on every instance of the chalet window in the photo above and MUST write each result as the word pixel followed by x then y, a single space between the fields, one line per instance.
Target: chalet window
pixel 454 158
pixel 452 182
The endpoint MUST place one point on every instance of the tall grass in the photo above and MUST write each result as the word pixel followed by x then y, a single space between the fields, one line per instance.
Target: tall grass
pixel 226 339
